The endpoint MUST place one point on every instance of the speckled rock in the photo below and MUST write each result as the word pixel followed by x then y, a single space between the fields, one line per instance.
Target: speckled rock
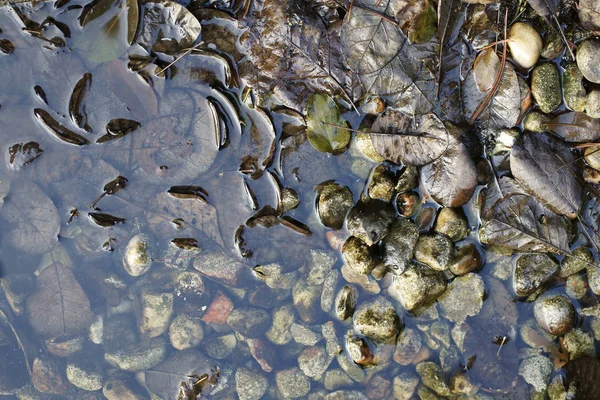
pixel 579 343
pixel 592 156
pixel 249 322
pixel 545 87
pixel 453 223
pixel 404 385
pixel 320 264
pixel 48 375
pixel 359 350
pixel 289 199
pixel 250 384
pixel 336 379
pixel 377 319
pixel 417 286
pixel 592 103
pixel 345 302
pixel 382 183
pixel 588 54
pixel 304 335
pixel 466 259
pixel 399 245
pixel 580 260
pixel 525 44
pixel 573 89
pixel 139 356
pixel 593 275
pixel 332 344
pixel 370 221
pixel 292 383
pixel 220 347
pixel 536 371
pixel 136 259
pixel 379 387
pixel 408 179
pixel 156 309
pixel 314 361
pixel 346 395
pixel 185 332
pixel 354 371
pixel 532 271
pixel 536 121
pixel 328 293
pixel 359 256
pixel 463 298
pixel 408 346
pixel 435 250
pixel 576 286
pixel 307 299
pixel 432 377
pixel 85 374
pixel 554 313
pixel 333 203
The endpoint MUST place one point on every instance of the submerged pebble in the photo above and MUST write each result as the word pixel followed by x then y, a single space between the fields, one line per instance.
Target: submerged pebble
pixel 545 87
pixel 554 313
pixel 525 44
pixel 377 319
pixel 588 54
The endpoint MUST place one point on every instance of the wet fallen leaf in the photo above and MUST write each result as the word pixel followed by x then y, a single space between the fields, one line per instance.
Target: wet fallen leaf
pixel 417 19
pixel 575 127
pixel 546 167
pixel 394 138
pixel 105 220
pixel 326 129
pixel 451 179
pixel 21 154
pixel 188 192
pixel 33 218
pixel 544 7
pixel 504 108
pixel 109 27
pixel 59 306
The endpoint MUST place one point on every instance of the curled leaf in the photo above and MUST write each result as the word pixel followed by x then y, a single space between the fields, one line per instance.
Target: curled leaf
pixel 188 192
pixel 76 104
pixel 58 130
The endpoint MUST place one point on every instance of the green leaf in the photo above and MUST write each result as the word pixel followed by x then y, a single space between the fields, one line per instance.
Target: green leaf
pixel 109 28
pixel 424 26
pixel 326 129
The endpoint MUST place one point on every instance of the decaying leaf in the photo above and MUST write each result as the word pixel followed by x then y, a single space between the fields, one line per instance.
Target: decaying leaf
pixel 504 108
pixel 394 138
pixel 109 27
pixel 451 179
pixel 417 19
pixel 59 306
pixel 33 218
pixel 326 129
pixel 575 127
pixel 546 167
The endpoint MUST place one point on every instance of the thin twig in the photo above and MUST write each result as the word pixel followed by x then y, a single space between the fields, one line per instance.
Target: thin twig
pixel 496 85
pixel 562 34
pixel 185 53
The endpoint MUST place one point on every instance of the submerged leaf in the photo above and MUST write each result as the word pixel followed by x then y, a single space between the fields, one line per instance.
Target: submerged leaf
pixel 575 127
pixel 58 130
pixel 546 167
pixel 109 27
pixel 59 306
pixel 326 129
pixel 33 218
pixel 394 139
